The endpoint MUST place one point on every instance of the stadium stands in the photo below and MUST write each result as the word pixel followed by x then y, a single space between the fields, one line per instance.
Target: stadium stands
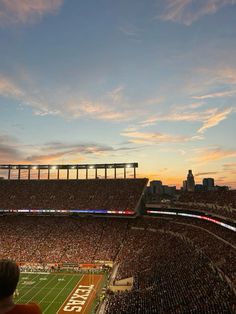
pixel 221 203
pixel 175 263
pixel 179 265
pixel 112 194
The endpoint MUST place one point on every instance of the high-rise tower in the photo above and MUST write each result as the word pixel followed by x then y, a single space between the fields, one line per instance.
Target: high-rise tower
pixel 190 181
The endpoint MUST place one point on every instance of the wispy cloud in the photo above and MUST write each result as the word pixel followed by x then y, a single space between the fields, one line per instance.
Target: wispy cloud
pixel 129 30
pixel 215 119
pixel 230 167
pixel 150 138
pixel 209 117
pixel 200 174
pixel 111 106
pixel 9 88
pixel 58 151
pixel 9 150
pixel 189 11
pixel 205 155
pixel 216 95
pixel 26 11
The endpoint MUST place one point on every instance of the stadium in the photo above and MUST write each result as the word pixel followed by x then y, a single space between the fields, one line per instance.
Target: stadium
pixel 93 245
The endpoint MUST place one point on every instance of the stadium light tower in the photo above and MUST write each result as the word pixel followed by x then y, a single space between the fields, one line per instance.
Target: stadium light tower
pixel 77 167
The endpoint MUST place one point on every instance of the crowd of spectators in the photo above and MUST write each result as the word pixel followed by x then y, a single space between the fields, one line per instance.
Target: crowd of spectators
pixel 175 279
pixel 178 268
pixel 110 194
pixel 222 203
pixel 179 265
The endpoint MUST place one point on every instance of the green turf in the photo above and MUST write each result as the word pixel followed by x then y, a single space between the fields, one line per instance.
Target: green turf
pixel 48 290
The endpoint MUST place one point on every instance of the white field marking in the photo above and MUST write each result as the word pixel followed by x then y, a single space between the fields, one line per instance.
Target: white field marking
pixel 59 294
pixel 29 289
pixel 50 290
pixel 94 289
pixel 65 302
pixel 36 272
pixel 20 284
pixel 42 288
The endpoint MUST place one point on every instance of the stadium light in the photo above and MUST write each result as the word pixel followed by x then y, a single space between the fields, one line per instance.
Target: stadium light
pixel 91 167
pixel 34 167
pixel 54 167
pixel 128 166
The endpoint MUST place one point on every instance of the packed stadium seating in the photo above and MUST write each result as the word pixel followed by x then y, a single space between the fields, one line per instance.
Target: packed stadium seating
pixel 221 203
pixel 111 194
pixel 179 265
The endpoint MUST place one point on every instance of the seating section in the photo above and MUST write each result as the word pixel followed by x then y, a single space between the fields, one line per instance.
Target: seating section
pixel 179 265
pixel 221 203
pixel 110 194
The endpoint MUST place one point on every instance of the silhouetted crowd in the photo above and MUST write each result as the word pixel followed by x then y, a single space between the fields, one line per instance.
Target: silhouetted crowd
pixel 222 203
pixel 110 194
pixel 179 265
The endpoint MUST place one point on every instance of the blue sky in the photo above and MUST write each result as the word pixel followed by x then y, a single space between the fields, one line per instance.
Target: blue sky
pixel 98 81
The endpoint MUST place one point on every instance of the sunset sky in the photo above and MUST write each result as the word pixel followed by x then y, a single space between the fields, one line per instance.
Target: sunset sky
pixel 151 81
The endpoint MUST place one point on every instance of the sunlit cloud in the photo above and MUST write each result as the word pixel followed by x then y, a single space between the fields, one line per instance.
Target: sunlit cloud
pixel 111 106
pixel 188 11
pixel 209 117
pixel 210 173
pixel 26 11
pixel 215 119
pixel 230 167
pixel 216 95
pixel 9 88
pixel 206 155
pixel 150 138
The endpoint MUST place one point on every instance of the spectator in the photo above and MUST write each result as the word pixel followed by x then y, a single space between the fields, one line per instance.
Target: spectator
pixel 9 277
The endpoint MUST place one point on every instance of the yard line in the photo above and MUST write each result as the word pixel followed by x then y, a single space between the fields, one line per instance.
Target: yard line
pixel 31 278
pixel 42 288
pixel 70 294
pixel 58 294
pixel 50 290
pixel 29 289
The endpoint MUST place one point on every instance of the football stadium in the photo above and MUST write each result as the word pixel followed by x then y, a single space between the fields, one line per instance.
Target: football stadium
pixel 94 245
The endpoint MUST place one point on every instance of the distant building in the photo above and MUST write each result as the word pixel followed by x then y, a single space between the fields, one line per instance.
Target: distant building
pixel 185 185
pixel 199 188
pixel 169 190
pixel 208 184
pixel 190 182
pixel 156 187
pixel 1 178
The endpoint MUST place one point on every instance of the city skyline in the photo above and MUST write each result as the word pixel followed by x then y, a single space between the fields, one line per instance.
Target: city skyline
pixel 151 82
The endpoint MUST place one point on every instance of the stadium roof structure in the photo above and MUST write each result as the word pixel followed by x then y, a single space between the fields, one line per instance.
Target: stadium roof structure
pixel 76 167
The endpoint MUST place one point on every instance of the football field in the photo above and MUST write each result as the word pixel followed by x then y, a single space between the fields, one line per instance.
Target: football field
pixel 60 293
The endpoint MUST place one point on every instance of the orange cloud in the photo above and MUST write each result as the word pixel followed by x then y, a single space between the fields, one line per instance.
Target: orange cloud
pixel 206 155
pixel 26 11
pixel 216 95
pixel 148 138
pixel 215 119
pixel 8 88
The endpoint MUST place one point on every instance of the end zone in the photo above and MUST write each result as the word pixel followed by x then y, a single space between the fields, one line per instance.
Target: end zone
pixel 82 296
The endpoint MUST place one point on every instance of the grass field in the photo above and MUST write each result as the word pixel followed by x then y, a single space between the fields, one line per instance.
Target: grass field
pixel 57 293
